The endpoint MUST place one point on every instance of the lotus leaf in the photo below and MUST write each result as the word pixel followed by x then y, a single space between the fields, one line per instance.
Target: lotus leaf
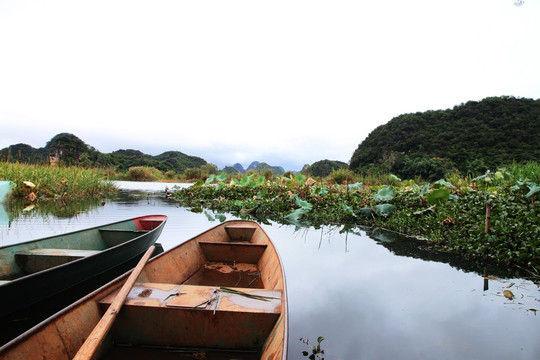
pixel 384 209
pixel 438 196
pixel 386 193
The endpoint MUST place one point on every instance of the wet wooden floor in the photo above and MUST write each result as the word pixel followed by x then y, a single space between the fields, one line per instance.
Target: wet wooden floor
pixel 227 274
pixel 143 353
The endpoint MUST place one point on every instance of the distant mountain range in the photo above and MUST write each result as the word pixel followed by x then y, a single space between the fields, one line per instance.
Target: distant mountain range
pixel 256 166
pixel 470 138
pixel 69 149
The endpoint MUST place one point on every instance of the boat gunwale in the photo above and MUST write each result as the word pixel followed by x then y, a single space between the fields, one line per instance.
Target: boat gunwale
pixel 76 261
pixel 89 229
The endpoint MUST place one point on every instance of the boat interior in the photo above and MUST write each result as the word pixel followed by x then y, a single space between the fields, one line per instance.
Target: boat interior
pixel 216 297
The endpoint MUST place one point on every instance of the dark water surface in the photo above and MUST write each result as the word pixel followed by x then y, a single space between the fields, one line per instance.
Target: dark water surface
pixel 378 297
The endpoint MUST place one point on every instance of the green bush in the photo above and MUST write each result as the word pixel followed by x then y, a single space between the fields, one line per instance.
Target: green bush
pixel 143 173
pixel 193 174
pixel 343 176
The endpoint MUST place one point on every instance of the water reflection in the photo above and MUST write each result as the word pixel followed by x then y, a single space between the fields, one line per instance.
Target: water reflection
pixel 371 295
pixel 405 246
pixel 370 304
pixel 4 217
pixel 21 208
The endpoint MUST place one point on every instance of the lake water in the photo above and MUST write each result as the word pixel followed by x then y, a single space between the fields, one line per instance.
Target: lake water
pixel 371 296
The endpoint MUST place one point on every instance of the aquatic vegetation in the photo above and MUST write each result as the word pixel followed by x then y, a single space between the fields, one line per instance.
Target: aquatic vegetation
pixel 316 351
pixel 449 213
pixel 45 182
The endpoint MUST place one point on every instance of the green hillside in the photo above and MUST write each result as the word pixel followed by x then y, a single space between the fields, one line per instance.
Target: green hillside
pixel 324 168
pixel 471 138
pixel 68 149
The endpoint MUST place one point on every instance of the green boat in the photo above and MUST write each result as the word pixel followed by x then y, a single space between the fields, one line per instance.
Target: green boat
pixel 6 187
pixel 52 272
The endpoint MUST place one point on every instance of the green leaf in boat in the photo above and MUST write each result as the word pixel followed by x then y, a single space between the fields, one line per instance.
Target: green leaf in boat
pixel 245 294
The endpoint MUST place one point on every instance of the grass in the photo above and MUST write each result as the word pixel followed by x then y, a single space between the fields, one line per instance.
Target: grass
pixel 51 182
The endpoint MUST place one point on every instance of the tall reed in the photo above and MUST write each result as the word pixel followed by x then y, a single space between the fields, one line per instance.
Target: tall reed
pixel 525 171
pixel 53 182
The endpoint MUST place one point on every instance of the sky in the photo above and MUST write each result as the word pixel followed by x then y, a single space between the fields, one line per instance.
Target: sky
pixel 288 83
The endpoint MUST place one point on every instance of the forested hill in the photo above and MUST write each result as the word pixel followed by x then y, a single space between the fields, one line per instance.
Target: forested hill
pixel 472 138
pixel 68 149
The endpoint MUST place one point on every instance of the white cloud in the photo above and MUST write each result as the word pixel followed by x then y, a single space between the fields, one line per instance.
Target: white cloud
pixel 294 80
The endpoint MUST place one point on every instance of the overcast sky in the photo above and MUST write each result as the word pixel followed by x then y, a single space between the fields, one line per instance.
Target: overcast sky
pixel 284 82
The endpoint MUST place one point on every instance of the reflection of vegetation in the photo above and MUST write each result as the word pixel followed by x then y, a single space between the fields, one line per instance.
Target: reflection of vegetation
pixel 450 213
pixel 62 209
pixel 402 245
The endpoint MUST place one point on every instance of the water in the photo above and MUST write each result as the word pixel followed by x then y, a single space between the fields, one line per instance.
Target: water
pixel 388 298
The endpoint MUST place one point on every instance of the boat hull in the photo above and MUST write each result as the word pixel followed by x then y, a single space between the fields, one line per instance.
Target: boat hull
pixel 32 297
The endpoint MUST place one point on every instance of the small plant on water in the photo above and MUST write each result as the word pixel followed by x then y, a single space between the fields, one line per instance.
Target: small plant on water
pixel 316 352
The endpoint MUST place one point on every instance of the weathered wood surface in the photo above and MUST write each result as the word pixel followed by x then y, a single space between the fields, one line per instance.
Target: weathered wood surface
pixel 91 344
pixel 172 305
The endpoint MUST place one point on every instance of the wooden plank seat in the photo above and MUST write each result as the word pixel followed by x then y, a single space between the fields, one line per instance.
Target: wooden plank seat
pixel 35 260
pixel 150 223
pixel 238 252
pixel 194 316
pixel 240 232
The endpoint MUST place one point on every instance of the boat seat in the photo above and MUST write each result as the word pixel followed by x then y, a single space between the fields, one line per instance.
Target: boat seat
pixel 239 252
pixel 35 260
pixel 150 223
pixel 195 316
pixel 240 232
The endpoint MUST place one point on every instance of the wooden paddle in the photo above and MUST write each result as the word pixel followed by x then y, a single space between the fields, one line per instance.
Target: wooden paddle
pixel 95 338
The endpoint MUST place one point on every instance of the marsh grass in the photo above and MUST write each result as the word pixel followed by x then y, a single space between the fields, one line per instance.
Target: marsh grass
pixel 52 182
pixel 525 171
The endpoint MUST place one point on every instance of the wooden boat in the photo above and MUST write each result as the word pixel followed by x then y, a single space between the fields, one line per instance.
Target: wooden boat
pixel 220 295
pixel 34 272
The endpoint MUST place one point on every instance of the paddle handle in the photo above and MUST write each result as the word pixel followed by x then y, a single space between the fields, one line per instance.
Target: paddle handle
pixel 97 335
